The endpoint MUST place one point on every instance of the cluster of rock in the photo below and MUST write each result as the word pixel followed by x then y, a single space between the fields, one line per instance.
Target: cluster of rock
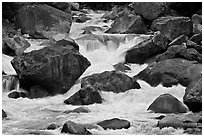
pixel 173 54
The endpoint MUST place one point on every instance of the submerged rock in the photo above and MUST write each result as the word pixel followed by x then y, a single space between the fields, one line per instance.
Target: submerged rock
pixel 166 103
pixel 193 95
pixel 173 27
pixel 74 128
pixel 170 121
pixel 182 70
pixel 78 110
pixel 114 123
pixel 42 21
pixel 128 23
pixel 53 126
pixel 54 68
pixel 4 115
pixel 146 49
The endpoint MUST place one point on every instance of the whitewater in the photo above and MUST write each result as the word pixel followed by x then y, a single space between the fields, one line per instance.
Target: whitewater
pixel 32 116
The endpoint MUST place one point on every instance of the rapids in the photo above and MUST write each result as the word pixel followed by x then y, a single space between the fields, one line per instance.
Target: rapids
pixel 32 116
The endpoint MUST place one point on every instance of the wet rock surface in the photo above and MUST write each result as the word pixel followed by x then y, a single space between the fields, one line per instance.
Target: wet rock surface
pixel 114 123
pixel 166 103
pixel 182 70
pixel 146 49
pixel 193 95
pixel 74 128
pixel 54 68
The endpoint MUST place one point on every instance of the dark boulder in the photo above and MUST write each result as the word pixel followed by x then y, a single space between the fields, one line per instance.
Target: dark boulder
pixel 182 70
pixel 150 10
pixel 4 115
pixel 197 38
pixel 42 20
pixel 197 23
pixel 74 128
pixel 128 23
pixel 85 96
pixel 180 51
pixel 14 94
pixel 78 110
pixel 173 27
pixel 166 103
pixel 146 49
pixel 54 68
pixel 114 123
pixel 114 81
pixel 193 95
pixel 53 126
pixel 191 44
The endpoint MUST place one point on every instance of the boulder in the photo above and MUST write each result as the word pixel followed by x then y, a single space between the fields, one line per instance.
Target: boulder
pixel 173 27
pixel 193 95
pixel 197 38
pixel 4 115
pixel 180 51
pixel 85 96
pixel 74 128
pixel 146 49
pixel 150 10
pixel 128 23
pixel 166 103
pixel 114 123
pixel 53 126
pixel 170 121
pixel 179 40
pixel 182 70
pixel 191 44
pixel 42 21
pixel 54 68
pixel 114 81
pixel 14 94
pixel 78 110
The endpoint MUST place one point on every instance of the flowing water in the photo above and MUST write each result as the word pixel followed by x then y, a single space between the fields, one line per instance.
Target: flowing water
pixel 32 116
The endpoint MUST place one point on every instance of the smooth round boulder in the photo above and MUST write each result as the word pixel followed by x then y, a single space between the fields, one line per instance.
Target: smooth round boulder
pixel 74 128
pixel 114 123
pixel 14 94
pixel 166 103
